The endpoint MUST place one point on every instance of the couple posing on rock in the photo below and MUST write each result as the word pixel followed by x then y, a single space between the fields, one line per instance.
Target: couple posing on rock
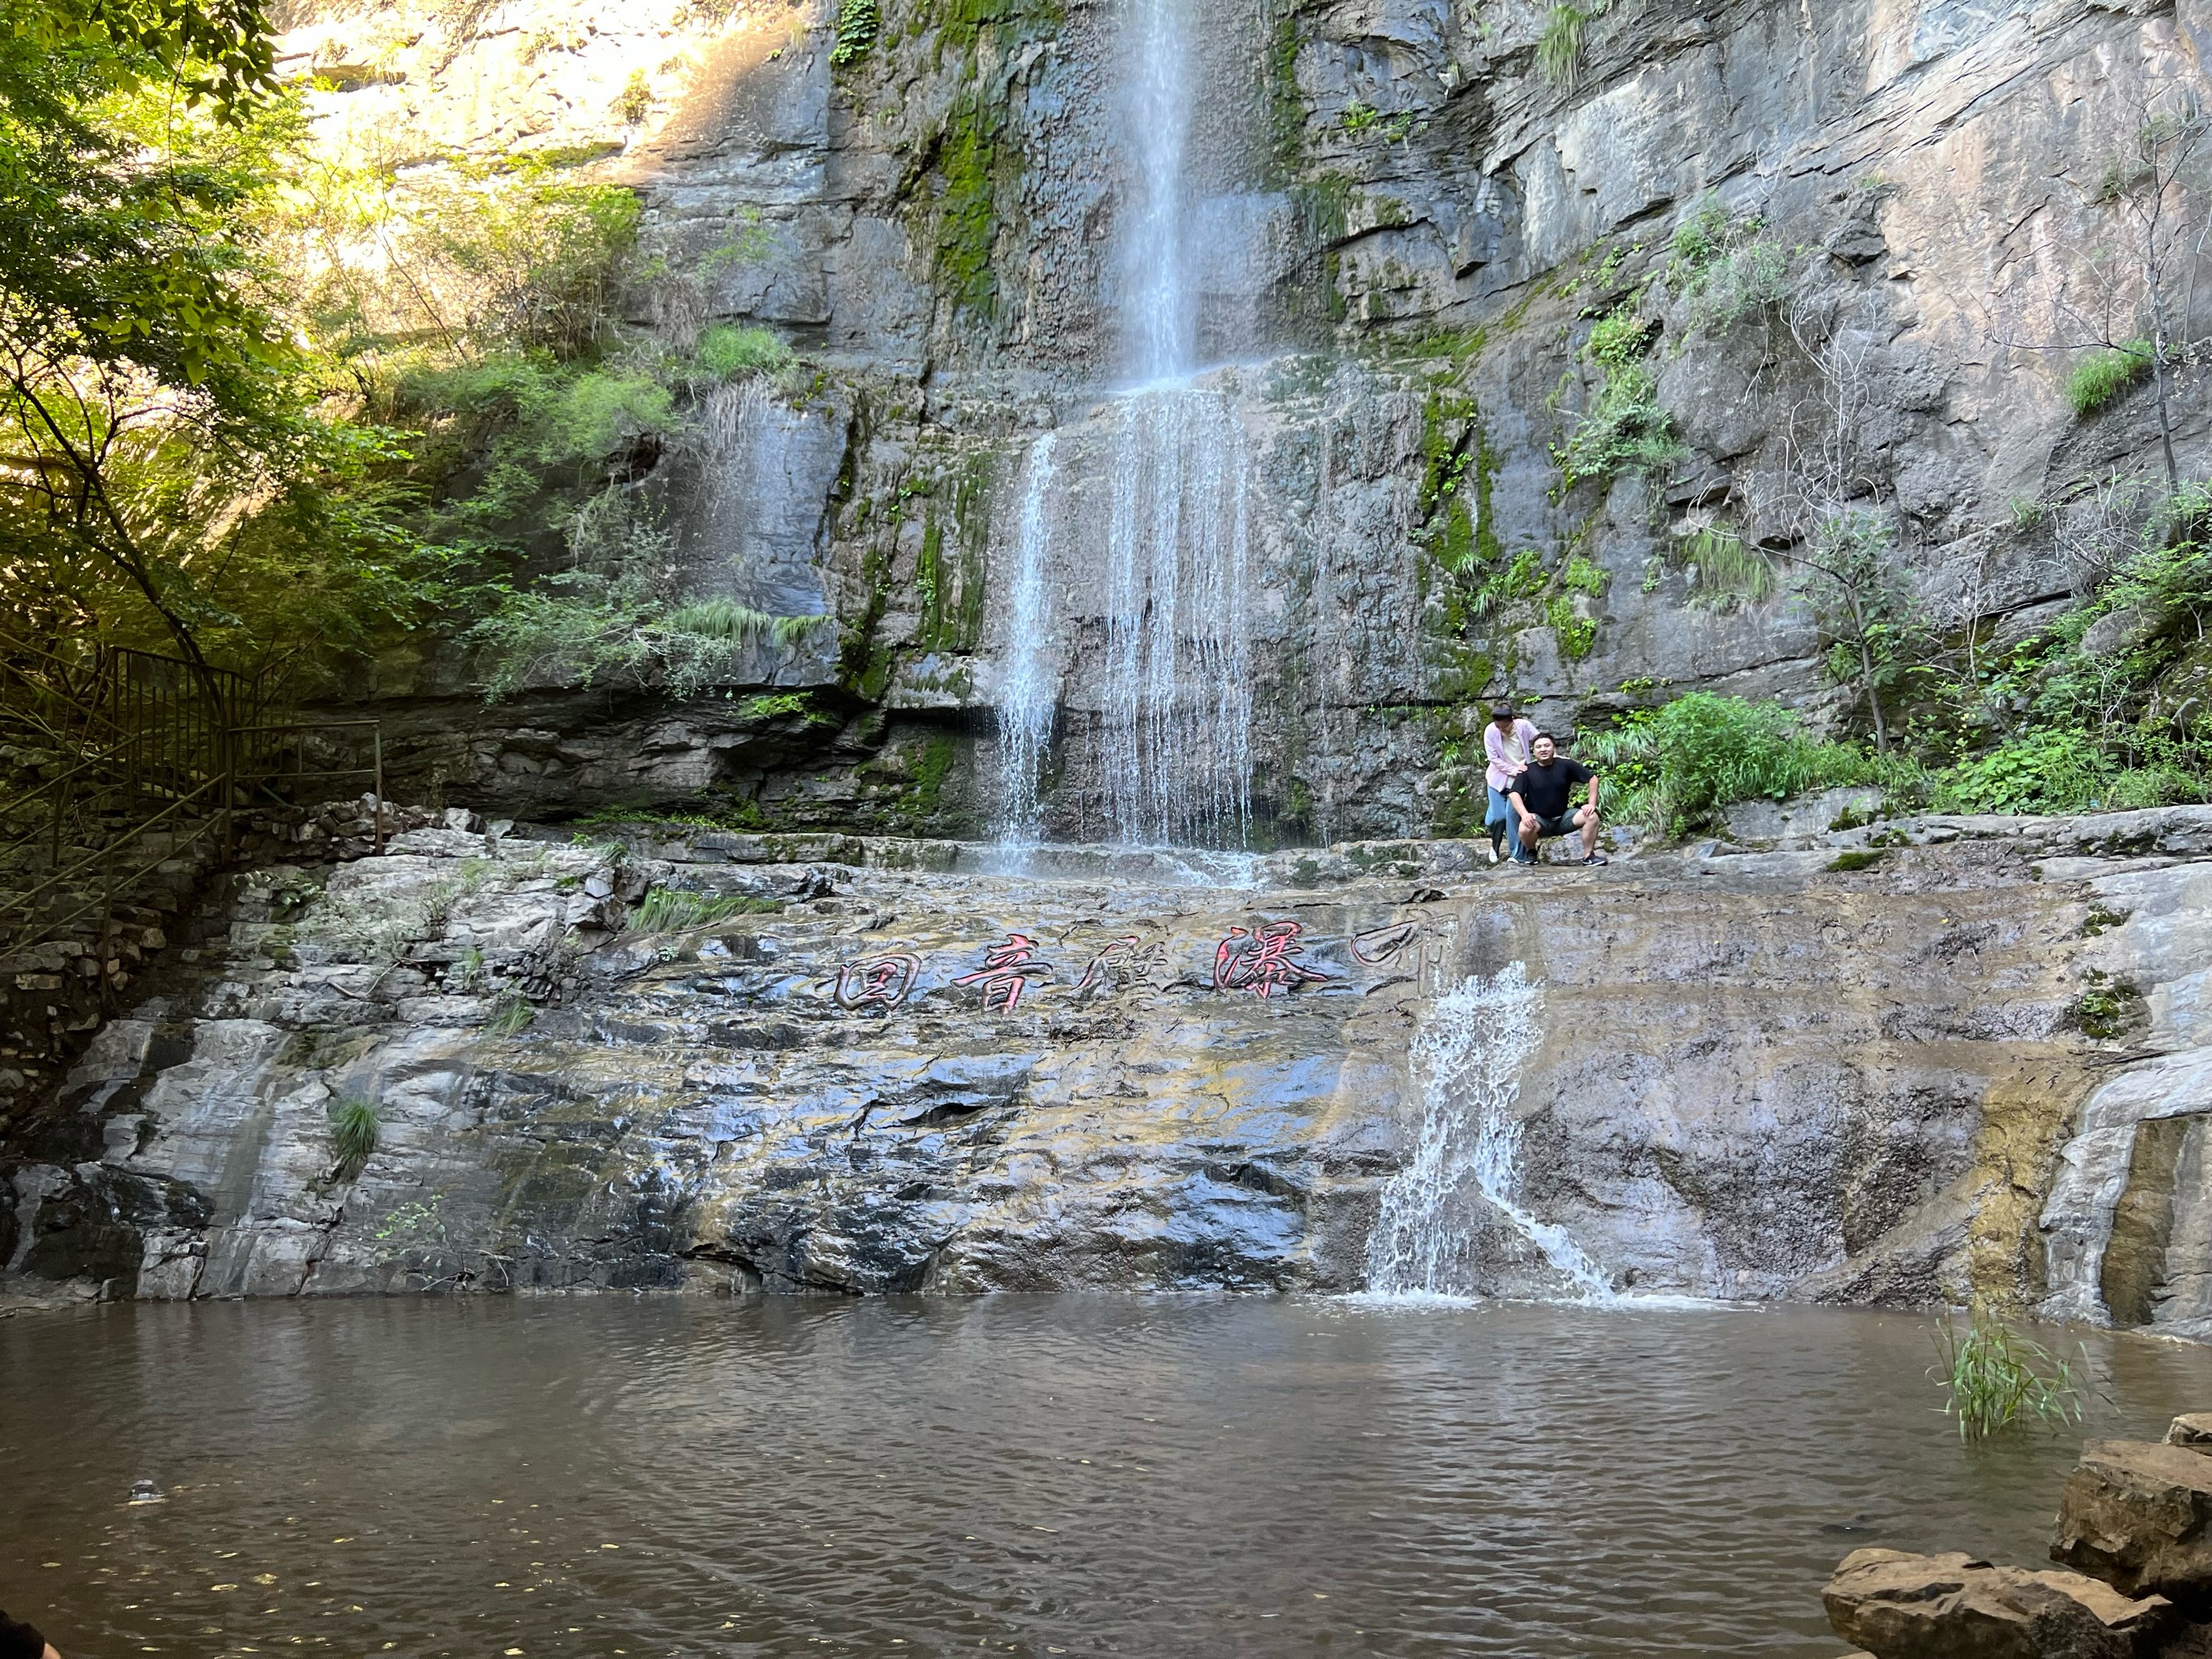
pixel 1533 788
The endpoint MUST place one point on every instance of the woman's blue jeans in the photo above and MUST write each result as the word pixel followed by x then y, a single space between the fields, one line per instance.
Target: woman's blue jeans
pixel 1501 812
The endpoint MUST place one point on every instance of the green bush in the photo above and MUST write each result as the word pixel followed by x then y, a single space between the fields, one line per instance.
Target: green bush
pixel 355 1126
pixel 2104 376
pixel 2048 770
pixel 725 351
pixel 618 612
pixel 536 261
pixel 1675 767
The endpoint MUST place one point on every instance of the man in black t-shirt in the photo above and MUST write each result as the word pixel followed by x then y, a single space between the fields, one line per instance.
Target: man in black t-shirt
pixel 19 1641
pixel 1544 796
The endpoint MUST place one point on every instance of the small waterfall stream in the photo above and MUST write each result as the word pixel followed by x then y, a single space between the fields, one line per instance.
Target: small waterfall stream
pixel 1467 1061
pixel 1029 688
pixel 1159 312
pixel 1176 742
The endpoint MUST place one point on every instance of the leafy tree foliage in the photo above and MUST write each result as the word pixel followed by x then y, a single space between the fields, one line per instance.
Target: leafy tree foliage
pixel 170 475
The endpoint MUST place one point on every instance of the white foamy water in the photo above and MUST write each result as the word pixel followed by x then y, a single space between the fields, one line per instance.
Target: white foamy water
pixel 1467 1061
pixel 1159 312
pixel 1028 689
pixel 1175 725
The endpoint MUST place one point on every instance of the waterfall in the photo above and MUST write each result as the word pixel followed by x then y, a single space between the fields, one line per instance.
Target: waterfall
pixel 1467 1061
pixel 1028 694
pixel 1174 736
pixel 1159 319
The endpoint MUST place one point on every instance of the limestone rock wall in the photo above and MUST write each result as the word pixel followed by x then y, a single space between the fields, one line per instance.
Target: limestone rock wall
pixel 1407 234
pixel 886 1067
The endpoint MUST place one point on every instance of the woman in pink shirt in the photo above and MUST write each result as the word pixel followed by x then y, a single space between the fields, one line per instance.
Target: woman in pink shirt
pixel 1506 741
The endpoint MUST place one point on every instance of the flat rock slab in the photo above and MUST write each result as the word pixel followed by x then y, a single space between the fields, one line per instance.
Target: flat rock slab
pixel 1897 1605
pixel 2135 1513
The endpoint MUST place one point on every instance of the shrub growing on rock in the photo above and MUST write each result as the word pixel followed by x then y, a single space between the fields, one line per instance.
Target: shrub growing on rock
pixel 1675 767
pixel 2104 376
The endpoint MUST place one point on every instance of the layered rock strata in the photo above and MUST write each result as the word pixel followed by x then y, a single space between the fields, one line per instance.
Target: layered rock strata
pixel 831 1063
pixel 1407 230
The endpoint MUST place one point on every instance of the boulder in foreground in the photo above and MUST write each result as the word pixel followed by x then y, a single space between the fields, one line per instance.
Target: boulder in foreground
pixel 1897 1605
pixel 2135 1513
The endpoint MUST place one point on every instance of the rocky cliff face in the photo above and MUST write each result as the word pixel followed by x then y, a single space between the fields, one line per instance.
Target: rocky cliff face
pixel 1504 340
pixel 1405 233
pixel 883 1067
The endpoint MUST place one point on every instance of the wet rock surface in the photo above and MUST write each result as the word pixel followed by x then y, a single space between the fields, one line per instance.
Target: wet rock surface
pixel 858 1066
pixel 1902 1606
pixel 1405 231
pixel 2135 1513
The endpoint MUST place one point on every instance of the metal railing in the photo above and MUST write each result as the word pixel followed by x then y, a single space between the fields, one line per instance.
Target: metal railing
pixel 157 755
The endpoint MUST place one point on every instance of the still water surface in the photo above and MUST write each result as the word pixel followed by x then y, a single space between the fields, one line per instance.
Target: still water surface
pixel 1033 1476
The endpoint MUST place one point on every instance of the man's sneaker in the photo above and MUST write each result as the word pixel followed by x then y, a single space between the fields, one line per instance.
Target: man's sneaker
pixel 1525 859
pixel 1596 858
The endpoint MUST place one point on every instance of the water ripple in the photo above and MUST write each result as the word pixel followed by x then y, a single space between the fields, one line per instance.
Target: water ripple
pixel 1080 1475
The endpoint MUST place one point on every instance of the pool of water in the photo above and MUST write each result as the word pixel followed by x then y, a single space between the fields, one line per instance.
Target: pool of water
pixel 1033 1475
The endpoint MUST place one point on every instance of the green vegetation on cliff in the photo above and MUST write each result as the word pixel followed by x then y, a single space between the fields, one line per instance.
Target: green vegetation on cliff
pixel 1671 769
pixel 2109 707
pixel 277 408
pixel 184 472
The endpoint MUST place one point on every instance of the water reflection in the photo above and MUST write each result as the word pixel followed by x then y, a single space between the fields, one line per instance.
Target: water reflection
pixel 1092 1475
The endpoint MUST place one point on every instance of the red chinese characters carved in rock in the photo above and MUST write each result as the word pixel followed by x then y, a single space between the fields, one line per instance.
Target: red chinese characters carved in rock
pixel 1005 975
pixel 882 979
pixel 1263 959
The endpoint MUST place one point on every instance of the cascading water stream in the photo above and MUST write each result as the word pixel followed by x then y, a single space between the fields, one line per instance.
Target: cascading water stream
pixel 1173 736
pixel 1159 319
pixel 1028 689
pixel 1467 1061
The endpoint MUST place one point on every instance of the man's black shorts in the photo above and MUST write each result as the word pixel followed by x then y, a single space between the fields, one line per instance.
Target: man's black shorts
pixel 1561 825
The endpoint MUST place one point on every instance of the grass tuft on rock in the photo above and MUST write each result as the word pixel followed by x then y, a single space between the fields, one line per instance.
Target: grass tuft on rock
pixel 355 1126
pixel 672 910
pixel 1996 1379
pixel 511 1016
pixel 2104 376
pixel 1560 49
